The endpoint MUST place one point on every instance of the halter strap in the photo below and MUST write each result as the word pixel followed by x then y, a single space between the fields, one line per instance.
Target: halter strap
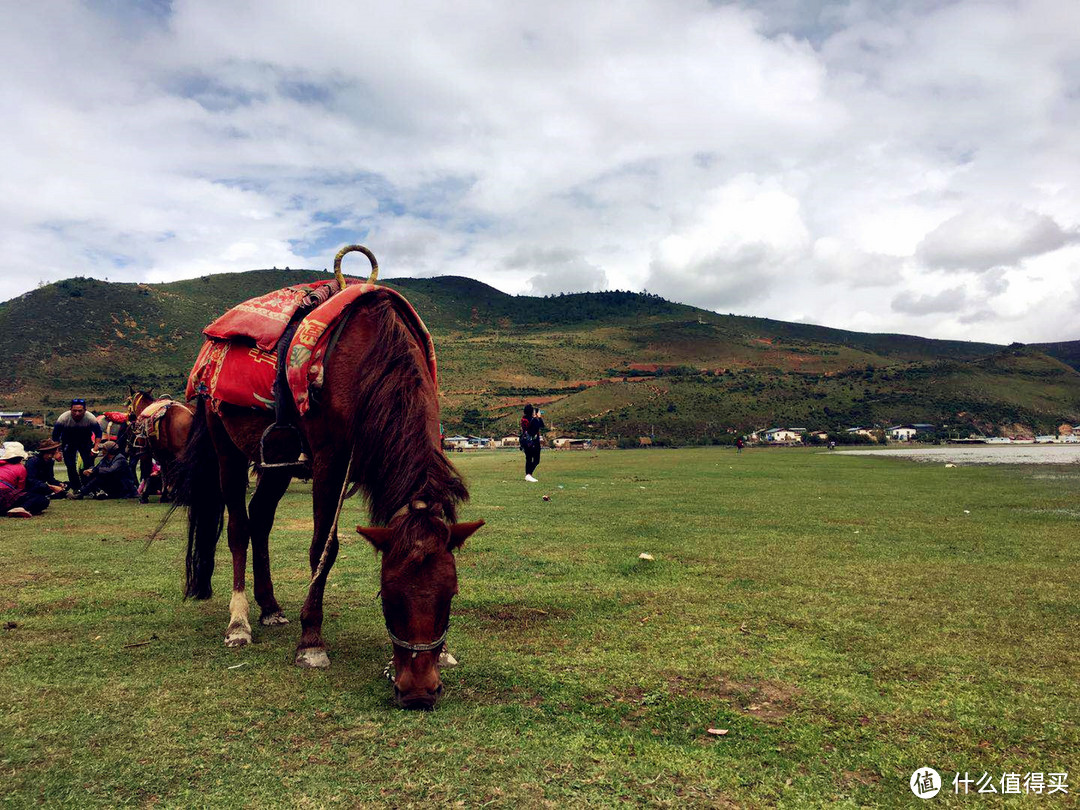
pixel 419 648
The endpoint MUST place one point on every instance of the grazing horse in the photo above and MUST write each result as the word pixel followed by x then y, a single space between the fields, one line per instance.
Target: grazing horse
pixel 376 426
pixel 157 428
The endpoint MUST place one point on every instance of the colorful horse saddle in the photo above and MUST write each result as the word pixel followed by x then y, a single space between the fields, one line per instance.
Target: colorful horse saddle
pixel 148 422
pixel 239 368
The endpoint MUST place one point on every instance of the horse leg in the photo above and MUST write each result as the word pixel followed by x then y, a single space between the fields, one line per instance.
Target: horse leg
pixel 234 490
pixel 166 478
pixel 146 467
pixel 326 489
pixel 168 484
pixel 272 485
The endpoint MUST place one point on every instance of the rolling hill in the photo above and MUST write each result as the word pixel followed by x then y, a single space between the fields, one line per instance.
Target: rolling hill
pixel 610 363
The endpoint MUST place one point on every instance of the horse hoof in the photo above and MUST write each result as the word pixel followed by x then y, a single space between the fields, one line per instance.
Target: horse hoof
pixel 313 659
pixel 273 619
pixel 144 500
pixel 240 637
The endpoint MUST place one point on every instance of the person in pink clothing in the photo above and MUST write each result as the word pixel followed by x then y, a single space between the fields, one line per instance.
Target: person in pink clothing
pixel 15 501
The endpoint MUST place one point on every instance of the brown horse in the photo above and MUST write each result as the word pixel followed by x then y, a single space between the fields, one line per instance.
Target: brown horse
pixel 376 426
pixel 157 428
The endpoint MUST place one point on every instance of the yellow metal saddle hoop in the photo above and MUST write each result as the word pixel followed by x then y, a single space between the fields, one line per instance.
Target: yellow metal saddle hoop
pixel 351 249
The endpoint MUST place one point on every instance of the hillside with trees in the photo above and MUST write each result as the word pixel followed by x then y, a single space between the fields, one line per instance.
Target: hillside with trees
pixel 608 364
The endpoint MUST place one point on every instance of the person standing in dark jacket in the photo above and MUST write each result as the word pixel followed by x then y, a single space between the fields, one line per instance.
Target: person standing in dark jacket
pixel 78 431
pixel 111 478
pixel 40 475
pixel 531 426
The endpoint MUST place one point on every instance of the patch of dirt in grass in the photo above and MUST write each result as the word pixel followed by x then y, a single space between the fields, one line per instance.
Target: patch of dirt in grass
pixel 482 694
pixel 511 616
pixel 295 525
pixel 848 778
pixel 56 606
pixel 768 701
pixel 16 579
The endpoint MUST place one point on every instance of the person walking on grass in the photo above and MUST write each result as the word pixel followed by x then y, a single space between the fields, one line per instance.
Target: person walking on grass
pixel 78 432
pixel 532 424
pixel 15 499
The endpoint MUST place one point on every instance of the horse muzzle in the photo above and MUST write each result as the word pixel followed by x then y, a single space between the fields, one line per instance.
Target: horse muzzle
pixel 425 699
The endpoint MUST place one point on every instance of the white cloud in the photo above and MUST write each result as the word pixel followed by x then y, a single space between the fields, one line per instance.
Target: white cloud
pixel 745 236
pixel 981 240
pixel 845 161
pixel 552 270
pixel 950 300
pixel 837 260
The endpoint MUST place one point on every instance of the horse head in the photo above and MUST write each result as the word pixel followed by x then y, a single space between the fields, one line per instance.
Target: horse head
pixel 419 579
pixel 138 401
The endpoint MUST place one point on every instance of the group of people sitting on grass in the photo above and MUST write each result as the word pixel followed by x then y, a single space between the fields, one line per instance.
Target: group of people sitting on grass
pixel 28 482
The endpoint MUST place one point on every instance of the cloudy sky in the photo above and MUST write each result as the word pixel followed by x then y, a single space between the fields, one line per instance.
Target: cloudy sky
pixel 880 165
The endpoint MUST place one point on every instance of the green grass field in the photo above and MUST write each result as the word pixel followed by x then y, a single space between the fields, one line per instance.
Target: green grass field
pixel 846 620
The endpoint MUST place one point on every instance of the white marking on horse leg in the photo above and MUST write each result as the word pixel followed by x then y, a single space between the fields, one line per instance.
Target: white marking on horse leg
pixel 239 632
pixel 272 619
pixel 313 658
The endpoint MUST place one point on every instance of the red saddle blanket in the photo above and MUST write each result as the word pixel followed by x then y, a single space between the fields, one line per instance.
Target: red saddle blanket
pixel 241 372
pixel 264 318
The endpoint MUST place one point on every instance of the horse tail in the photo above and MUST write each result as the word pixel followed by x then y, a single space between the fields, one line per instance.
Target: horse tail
pixel 198 488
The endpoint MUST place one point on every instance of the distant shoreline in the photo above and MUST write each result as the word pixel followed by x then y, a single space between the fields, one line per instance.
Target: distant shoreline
pixel 982 454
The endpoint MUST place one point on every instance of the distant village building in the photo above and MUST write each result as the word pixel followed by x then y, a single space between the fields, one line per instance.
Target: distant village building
pixel 783 435
pixel 467 442
pixel 861 431
pixel 902 433
pixel 10 417
pixel 568 443
pixel 510 441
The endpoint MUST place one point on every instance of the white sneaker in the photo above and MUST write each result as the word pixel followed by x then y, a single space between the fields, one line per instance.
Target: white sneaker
pixel 532 480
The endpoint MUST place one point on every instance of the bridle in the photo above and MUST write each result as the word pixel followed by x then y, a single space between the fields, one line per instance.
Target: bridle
pixel 415 649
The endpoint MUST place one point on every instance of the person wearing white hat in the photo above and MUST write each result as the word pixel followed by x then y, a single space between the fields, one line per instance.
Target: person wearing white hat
pixel 15 501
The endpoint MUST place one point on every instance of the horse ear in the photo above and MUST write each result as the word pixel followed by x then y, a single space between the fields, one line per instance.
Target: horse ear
pixel 460 532
pixel 378 536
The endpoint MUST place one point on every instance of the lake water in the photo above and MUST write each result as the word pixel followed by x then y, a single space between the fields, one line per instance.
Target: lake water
pixel 982 453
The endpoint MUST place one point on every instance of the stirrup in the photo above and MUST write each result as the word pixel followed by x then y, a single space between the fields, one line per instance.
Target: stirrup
pixel 301 459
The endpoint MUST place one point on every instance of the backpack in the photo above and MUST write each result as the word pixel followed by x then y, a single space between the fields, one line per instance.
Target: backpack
pixel 527 440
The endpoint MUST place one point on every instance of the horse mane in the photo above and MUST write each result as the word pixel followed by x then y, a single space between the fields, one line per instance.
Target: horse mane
pixel 397 459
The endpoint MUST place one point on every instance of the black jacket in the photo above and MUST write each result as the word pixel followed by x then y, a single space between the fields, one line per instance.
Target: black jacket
pixel 39 474
pixel 117 467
